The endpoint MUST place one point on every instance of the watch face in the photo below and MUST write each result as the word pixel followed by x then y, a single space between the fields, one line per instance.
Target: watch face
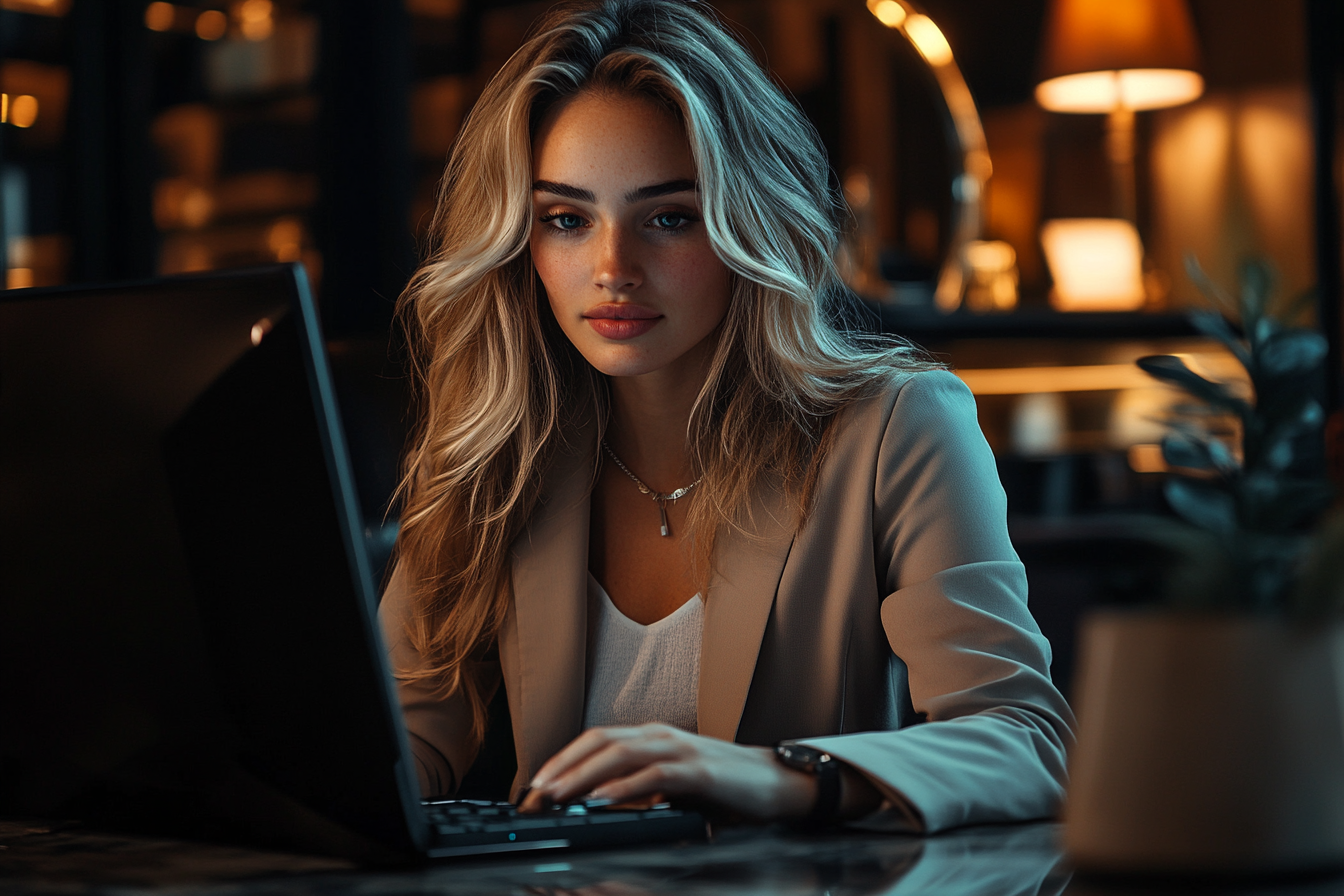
pixel 798 756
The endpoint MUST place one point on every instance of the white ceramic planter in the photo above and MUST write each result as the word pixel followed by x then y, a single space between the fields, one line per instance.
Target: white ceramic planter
pixel 1207 743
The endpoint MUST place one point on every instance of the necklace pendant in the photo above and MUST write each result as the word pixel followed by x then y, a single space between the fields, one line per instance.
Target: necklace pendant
pixel 661 500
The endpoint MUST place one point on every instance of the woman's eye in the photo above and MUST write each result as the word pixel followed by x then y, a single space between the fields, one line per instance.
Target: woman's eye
pixel 671 220
pixel 563 221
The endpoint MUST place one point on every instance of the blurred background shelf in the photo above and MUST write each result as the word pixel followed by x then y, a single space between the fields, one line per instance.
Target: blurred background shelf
pixel 157 137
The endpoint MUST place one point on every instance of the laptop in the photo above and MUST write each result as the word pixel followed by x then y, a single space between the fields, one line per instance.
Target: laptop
pixel 254 502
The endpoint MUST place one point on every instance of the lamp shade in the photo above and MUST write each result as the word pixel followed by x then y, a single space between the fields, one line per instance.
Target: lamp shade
pixel 1102 55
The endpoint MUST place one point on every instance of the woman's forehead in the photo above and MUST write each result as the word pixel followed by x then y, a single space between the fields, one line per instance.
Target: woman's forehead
pixel 609 142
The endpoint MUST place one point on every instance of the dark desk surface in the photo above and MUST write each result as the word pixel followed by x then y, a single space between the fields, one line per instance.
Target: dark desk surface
pixel 1018 860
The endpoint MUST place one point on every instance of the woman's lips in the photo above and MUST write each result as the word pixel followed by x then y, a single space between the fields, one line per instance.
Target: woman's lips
pixel 621 321
pixel 621 329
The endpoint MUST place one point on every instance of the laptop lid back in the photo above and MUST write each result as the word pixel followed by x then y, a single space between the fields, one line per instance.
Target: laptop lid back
pixel 156 466
pixel 273 534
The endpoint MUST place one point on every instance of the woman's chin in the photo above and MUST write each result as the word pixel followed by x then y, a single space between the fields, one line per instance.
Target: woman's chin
pixel 623 362
pixel 625 371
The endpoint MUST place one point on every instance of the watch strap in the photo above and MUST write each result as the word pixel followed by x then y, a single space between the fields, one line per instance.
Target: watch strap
pixel 827 806
pixel 825 769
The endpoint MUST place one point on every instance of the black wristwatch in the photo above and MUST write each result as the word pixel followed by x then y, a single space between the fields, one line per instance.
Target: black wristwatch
pixel 827 769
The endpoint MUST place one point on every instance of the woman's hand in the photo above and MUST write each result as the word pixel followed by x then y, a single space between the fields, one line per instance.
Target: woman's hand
pixel 655 762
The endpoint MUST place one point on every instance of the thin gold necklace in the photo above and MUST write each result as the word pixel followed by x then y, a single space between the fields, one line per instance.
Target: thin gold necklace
pixel 658 497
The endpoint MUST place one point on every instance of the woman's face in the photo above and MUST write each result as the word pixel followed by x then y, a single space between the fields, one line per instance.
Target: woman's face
pixel 617 237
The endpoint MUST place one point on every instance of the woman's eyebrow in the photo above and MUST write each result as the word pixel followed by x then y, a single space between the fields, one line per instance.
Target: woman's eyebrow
pixel 663 189
pixel 579 194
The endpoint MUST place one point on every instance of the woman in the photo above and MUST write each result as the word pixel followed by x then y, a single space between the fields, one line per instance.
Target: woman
pixel 631 395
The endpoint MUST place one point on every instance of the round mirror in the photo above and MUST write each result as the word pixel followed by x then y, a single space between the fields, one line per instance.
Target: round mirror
pixel 881 86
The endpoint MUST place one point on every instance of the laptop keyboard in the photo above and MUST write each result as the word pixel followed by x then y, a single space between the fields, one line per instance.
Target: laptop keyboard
pixel 477 827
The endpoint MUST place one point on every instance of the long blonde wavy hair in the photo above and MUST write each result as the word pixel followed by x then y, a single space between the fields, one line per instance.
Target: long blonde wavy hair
pixel 500 386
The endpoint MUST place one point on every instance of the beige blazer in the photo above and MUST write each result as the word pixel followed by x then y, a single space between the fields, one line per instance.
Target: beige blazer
pixel 892 629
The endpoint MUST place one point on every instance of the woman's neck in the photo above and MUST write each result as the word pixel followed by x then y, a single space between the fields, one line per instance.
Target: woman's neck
pixel 649 419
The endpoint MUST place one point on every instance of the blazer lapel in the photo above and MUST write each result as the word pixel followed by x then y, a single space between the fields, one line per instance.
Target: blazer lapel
pixel 550 588
pixel 741 595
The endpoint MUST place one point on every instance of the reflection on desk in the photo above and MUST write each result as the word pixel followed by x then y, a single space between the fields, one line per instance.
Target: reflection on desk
pixel 1010 860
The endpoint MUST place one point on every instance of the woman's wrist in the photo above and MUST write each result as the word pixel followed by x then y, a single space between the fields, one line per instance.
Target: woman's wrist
pixel 795 791
pixel 799 790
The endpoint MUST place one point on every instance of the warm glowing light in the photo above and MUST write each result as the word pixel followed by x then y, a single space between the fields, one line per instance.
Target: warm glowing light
pixel 1139 416
pixel 1147 459
pixel 285 239
pixel 928 39
pixel 211 25
pixel 858 187
pixel 160 16
pixel 255 18
pixel 23 111
pixel 979 165
pixel 37 7
pixel 1273 134
pixel 1145 399
pixel 991 256
pixel 1028 380
pixel 993 275
pixel 18 278
pixel 180 203
pixel 1134 89
pixel 888 12
pixel 259 29
pixel 1097 264
pixel 255 10
pixel 197 208
pixel 260 329
pixel 4 107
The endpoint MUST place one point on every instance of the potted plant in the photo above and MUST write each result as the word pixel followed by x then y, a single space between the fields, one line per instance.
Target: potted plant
pixel 1211 731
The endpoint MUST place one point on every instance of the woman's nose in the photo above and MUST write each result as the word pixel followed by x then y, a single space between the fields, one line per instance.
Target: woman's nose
pixel 617 268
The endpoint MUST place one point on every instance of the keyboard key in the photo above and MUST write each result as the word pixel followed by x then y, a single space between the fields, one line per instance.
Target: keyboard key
pixel 609 817
pixel 523 824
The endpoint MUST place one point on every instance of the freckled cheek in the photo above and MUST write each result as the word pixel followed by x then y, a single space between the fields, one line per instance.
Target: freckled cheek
pixel 560 273
pixel 698 274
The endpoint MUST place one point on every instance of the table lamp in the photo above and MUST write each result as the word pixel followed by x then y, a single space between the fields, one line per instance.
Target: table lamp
pixel 1116 57
pixel 1119 57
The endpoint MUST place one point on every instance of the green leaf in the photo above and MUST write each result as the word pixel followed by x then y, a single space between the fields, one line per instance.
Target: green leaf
pixel 1197 451
pixel 1276 446
pixel 1279 455
pixel 1289 417
pixel 1172 369
pixel 1257 285
pixel 1290 352
pixel 1180 451
pixel 1222 458
pixel 1211 323
pixel 1264 330
pixel 1202 504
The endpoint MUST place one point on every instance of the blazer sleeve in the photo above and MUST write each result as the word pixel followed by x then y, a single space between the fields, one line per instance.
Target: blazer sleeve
pixel 438 725
pixel 992 731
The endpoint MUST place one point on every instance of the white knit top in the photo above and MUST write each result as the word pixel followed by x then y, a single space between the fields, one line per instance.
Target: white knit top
pixel 642 673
